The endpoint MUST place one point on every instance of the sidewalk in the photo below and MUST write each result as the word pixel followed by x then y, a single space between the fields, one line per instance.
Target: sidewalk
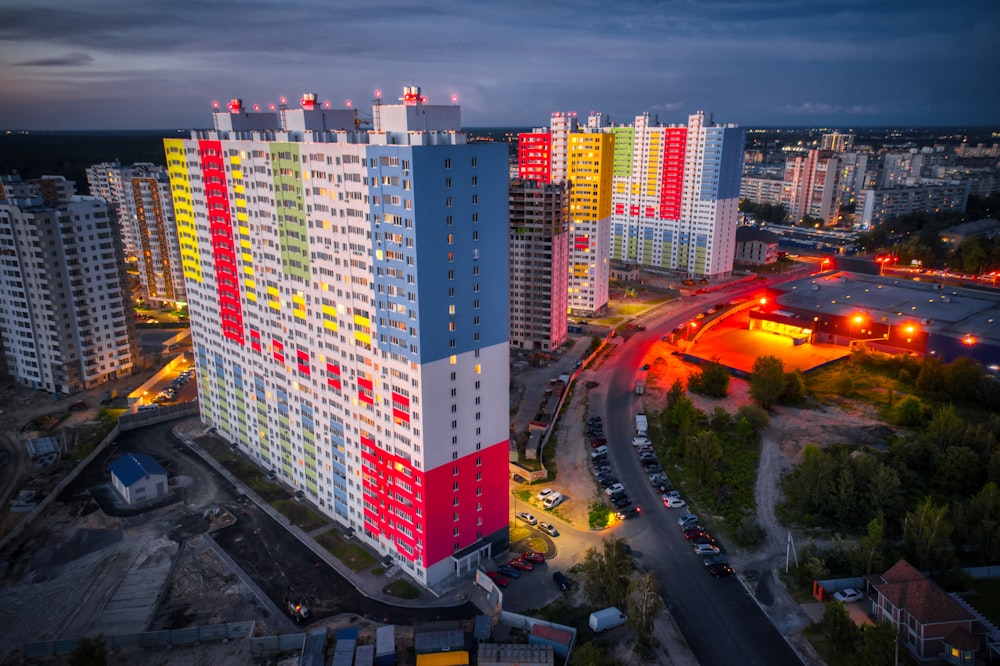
pixel 365 582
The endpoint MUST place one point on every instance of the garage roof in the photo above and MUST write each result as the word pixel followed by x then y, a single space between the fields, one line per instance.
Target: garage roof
pixel 133 467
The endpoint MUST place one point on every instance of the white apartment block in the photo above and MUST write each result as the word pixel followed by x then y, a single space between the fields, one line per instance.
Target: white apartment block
pixel 140 195
pixel 63 312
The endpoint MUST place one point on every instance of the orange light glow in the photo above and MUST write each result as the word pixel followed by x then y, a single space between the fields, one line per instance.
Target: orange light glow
pixel 763 301
pixel 910 329
pixel 969 340
pixel 858 319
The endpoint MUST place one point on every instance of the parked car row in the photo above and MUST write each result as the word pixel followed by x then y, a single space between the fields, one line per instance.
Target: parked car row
pixel 169 394
pixel 704 544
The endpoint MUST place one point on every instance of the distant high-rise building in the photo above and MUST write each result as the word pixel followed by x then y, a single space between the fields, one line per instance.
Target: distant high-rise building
pixel 811 188
pixel 676 195
pixel 539 264
pixel 348 293
pixel 837 142
pixel 876 205
pixel 140 195
pixel 63 310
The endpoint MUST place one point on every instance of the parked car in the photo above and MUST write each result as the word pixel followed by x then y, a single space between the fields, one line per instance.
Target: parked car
pixel 621 502
pixel 553 500
pixel 687 518
pixel 629 513
pixel 561 581
pixel 691 534
pixel 716 559
pixel 549 529
pixel 600 470
pixel 519 563
pixel 613 488
pixel 599 452
pixel 706 549
pixel 618 495
pixel 528 518
pixel 498 579
pixel 708 538
pixel 598 442
pixel 509 571
pixel 534 557
pixel 721 570
pixel 542 494
pixel 673 502
pixel 849 595
pixel 607 481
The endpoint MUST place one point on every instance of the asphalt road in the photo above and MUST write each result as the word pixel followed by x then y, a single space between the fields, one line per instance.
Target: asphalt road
pixel 721 622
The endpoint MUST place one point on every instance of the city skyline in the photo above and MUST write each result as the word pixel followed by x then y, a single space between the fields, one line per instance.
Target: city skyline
pixel 780 62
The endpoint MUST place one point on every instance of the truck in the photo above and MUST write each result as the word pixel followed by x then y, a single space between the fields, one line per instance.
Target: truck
pixel 641 426
pixel 640 387
pixel 607 618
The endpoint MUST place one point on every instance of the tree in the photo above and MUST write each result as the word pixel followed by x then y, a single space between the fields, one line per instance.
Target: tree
pixel 89 652
pixel 593 653
pixel 713 381
pixel 983 525
pixel 644 603
pixel 606 574
pixel 795 389
pixel 945 427
pixel 877 646
pixel 927 532
pixel 957 467
pixel 884 492
pixel 767 381
pixel 909 412
pixel 702 453
pixel 840 628
pixel 869 554
pixel 757 417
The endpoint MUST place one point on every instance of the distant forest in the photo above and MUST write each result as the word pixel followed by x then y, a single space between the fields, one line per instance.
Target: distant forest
pixel 35 154
pixel 65 154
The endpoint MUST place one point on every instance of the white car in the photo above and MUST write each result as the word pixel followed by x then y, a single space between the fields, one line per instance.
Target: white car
pixel 553 500
pixel 613 488
pixel 673 502
pixel 686 519
pixel 599 452
pixel 543 494
pixel 849 595
pixel 528 518
pixel 704 549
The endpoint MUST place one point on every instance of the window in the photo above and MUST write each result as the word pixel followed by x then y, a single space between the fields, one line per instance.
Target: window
pixel 475 162
pixel 448 202
pixel 447 163
pixel 447 182
pixel 475 199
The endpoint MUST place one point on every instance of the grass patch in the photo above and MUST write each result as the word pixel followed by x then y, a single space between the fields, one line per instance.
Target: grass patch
pixel 987 598
pixel 518 531
pixel 539 544
pixel 299 514
pixel 524 494
pixel 599 516
pixel 351 554
pixel 402 589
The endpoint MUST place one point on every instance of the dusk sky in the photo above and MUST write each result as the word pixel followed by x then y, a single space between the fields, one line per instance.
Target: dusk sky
pixel 153 64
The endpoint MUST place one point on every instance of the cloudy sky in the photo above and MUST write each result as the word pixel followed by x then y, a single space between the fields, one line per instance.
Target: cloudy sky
pixel 159 64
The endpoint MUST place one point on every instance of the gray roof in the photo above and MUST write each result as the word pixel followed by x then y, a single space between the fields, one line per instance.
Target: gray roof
pixel 747 234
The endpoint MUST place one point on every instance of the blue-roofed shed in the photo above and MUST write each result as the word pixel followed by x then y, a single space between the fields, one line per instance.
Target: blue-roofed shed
pixel 138 478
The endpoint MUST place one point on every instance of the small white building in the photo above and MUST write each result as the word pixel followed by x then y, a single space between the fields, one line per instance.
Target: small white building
pixel 138 478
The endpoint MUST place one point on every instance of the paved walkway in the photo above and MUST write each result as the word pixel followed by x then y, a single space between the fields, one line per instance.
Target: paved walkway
pixel 365 582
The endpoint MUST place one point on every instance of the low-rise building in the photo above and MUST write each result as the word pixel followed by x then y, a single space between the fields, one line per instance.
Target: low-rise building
pixel 756 247
pixel 138 478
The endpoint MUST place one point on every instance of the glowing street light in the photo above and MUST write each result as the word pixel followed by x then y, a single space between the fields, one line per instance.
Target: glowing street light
pixel 969 340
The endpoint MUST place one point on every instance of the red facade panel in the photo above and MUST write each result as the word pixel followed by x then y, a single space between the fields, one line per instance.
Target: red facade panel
pixel 220 226
pixel 672 176
pixel 417 510
pixel 534 157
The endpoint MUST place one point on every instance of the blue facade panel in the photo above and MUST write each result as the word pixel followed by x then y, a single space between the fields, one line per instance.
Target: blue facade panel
pixel 462 239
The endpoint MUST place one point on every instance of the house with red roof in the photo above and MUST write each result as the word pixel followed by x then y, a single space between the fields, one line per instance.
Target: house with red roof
pixel 928 622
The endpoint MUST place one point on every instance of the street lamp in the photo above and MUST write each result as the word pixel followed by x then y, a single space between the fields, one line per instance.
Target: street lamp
pixel 969 340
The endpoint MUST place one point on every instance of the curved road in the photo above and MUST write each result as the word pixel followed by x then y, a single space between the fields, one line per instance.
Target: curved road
pixel 718 617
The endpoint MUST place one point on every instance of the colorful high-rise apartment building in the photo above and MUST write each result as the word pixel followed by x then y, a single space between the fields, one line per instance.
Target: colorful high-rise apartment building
pixel 63 309
pixel 140 197
pixel 676 195
pixel 349 316
pixel 673 191
pixel 581 158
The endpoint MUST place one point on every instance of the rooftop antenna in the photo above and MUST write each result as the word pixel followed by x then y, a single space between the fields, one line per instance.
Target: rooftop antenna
pixel 377 111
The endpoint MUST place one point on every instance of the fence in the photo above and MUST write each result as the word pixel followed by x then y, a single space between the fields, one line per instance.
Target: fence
pixel 150 639
pixel 162 413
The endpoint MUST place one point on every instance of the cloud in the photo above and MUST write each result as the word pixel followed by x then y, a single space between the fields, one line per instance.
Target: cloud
pixel 668 106
pixel 819 108
pixel 68 60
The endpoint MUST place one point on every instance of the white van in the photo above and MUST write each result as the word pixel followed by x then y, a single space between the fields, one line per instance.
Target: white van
pixel 599 451
pixel 553 500
pixel 640 441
